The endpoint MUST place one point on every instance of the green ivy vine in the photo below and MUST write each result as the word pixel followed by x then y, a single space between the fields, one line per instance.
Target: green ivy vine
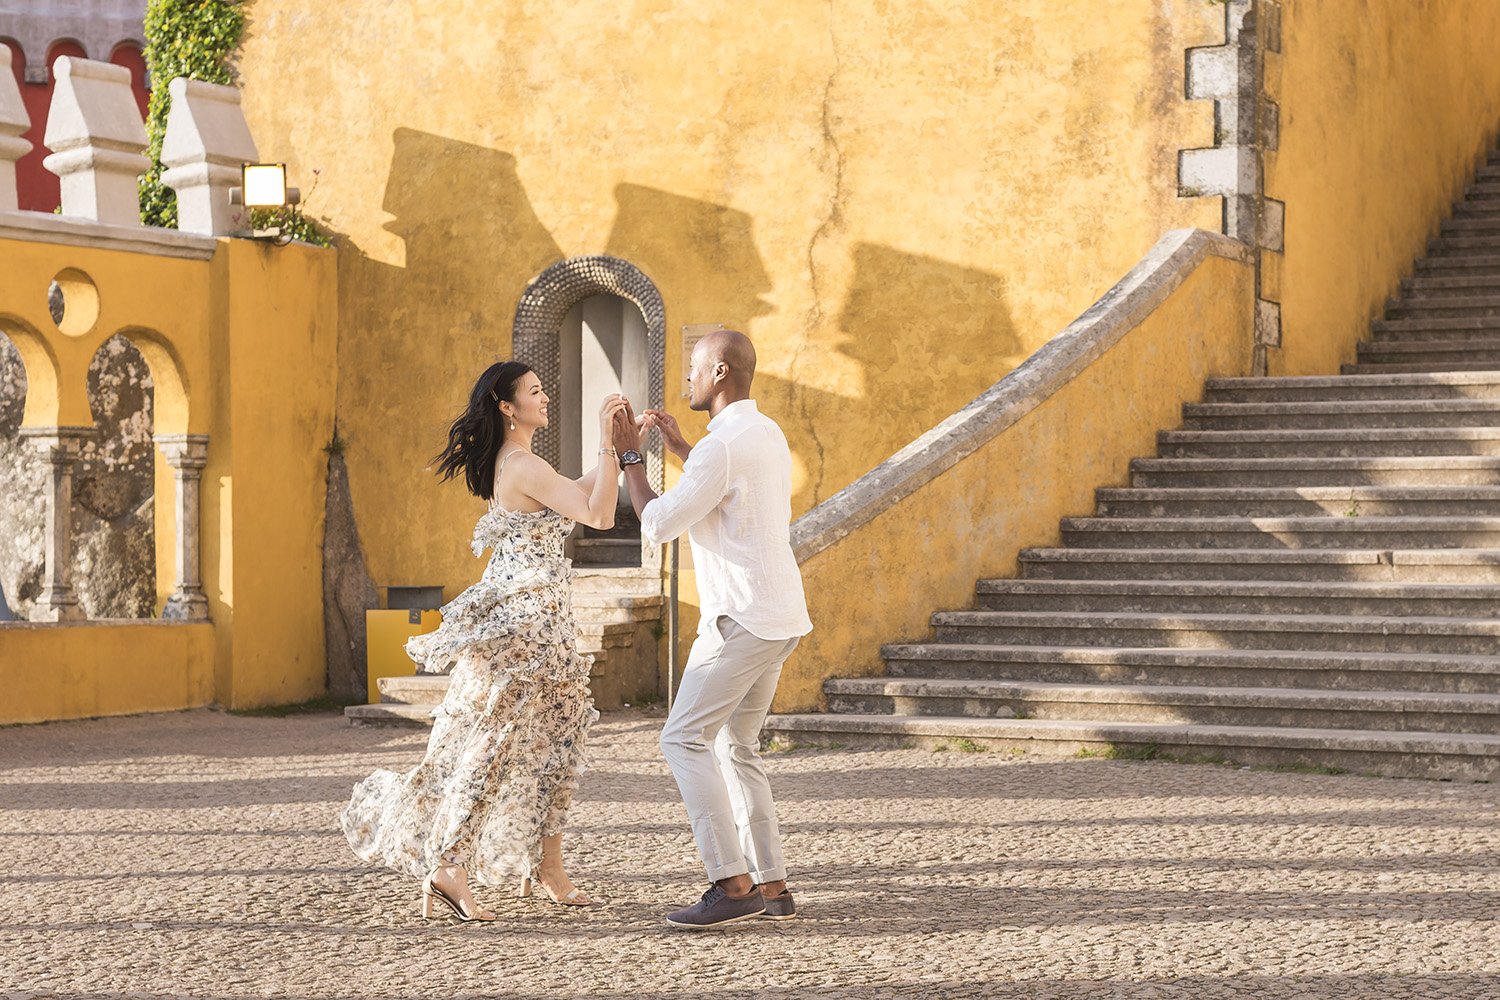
pixel 197 39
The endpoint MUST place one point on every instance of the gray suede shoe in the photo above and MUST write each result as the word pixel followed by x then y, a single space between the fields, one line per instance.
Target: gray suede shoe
pixel 716 909
pixel 780 907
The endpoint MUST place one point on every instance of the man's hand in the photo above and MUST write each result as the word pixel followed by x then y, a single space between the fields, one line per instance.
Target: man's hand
pixel 627 430
pixel 671 434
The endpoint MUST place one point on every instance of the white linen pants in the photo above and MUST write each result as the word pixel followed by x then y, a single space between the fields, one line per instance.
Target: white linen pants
pixel 712 743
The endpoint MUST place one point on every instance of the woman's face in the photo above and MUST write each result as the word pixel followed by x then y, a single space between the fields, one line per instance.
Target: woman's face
pixel 530 404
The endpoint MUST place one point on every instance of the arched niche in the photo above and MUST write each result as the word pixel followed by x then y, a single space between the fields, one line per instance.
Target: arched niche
pixel 41 370
pixel 539 317
pixel 169 377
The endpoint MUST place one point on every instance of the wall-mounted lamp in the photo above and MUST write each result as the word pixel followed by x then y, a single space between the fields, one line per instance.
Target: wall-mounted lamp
pixel 263 186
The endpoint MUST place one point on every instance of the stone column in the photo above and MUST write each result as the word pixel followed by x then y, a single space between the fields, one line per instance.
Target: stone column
pixel 60 446
pixel 14 121
pixel 98 141
pixel 187 454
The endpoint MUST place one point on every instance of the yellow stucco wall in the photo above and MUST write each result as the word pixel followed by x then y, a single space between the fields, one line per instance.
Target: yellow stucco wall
pixel 80 671
pixel 241 348
pixel 1387 106
pixel 276 331
pixel 898 202
pixel 925 553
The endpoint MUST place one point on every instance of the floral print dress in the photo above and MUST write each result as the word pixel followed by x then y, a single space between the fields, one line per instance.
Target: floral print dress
pixel 507 742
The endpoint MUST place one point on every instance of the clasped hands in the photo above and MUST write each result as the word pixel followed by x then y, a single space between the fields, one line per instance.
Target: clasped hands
pixel 628 429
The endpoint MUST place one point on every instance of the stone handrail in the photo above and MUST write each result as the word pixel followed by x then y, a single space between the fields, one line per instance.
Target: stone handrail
pixel 1083 341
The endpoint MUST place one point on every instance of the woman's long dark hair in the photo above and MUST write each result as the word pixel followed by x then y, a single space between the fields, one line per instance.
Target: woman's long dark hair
pixel 474 439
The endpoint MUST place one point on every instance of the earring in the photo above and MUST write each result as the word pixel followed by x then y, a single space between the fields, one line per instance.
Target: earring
pixel 512 425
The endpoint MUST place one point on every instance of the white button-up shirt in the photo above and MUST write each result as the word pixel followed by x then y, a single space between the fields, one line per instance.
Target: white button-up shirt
pixel 735 502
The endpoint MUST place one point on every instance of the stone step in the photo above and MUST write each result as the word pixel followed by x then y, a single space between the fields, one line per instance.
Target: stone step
pixel 1343 413
pixel 1282 532
pixel 1353 442
pixel 1415 350
pixel 393 715
pixel 1198 667
pixel 1480 191
pixel 422 689
pixel 1383 368
pixel 1480 566
pixel 1391 471
pixel 1405 754
pixel 1475 339
pixel 1346 633
pixel 1424 285
pixel 1416 324
pixel 1469 264
pixel 617 608
pixel 1487 205
pixel 1464 246
pixel 594 636
pixel 1388 711
pixel 1355 388
pixel 1247 597
pixel 1472 223
pixel 1444 303
pixel 628 580
pixel 622 552
pixel 1347 501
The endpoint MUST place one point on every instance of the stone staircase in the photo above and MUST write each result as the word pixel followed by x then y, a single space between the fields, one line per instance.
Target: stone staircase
pixel 1308 574
pixel 619 613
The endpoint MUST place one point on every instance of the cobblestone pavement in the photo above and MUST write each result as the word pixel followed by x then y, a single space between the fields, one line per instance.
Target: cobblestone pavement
pixel 197 855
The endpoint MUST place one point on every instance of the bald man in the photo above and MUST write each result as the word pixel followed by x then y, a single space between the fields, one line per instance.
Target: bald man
pixel 734 500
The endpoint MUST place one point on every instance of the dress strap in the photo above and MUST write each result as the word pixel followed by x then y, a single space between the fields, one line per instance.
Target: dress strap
pixel 495 489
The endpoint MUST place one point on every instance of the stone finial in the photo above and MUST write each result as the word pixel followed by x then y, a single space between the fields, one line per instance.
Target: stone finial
pixel 207 141
pixel 14 121
pixel 98 141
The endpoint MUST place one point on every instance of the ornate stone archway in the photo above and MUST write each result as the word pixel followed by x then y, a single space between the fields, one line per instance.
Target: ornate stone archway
pixel 539 317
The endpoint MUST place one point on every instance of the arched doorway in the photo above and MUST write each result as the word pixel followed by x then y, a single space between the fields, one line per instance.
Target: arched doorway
pixel 591 326
pixel 602 349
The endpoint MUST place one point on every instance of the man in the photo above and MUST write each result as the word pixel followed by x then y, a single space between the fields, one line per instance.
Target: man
pixel 735 501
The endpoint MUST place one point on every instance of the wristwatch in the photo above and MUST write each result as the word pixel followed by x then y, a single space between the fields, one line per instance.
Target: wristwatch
pixel 631 457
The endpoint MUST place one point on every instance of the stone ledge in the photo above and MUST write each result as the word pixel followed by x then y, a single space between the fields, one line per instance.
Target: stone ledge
pixel 42 227
pixel 1079 345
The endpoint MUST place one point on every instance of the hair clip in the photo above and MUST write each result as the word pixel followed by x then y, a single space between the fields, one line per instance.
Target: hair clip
pixel 494 395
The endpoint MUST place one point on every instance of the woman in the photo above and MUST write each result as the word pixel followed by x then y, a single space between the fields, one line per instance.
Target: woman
pixel 489 799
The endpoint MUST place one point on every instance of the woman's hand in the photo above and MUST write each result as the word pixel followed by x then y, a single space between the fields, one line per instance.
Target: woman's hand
pixel 671 434
pixel 627 430
pixel 613 404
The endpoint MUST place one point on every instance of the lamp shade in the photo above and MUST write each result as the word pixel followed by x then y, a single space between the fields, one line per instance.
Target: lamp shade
pixel 265 185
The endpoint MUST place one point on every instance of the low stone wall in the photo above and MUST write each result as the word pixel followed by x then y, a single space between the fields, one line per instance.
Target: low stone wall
pixel 958 504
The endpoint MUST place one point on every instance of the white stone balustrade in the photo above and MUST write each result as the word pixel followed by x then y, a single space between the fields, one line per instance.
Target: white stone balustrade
pixel 60 447
pixel 14 121
pixel 98 141
pixel 187 454
pixel 206 142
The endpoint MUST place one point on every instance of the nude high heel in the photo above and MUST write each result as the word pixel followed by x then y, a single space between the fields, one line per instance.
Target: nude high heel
pixel 432 893
pixel 574 896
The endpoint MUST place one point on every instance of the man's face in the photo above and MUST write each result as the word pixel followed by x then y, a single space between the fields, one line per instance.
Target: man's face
pixel 700 377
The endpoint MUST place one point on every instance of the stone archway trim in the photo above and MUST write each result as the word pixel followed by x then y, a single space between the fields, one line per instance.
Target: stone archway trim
pixel 545 303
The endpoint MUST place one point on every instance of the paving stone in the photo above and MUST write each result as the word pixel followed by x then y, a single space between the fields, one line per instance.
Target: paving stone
pixel 197 855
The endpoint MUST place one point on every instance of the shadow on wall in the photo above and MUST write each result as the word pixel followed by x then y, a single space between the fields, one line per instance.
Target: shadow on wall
pixel 915 328
pixel 921 334
pixel 412 338
pixel 707 249
pixel 914 332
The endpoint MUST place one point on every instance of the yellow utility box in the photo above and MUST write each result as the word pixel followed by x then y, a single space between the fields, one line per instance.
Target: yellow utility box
pixel 386 632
